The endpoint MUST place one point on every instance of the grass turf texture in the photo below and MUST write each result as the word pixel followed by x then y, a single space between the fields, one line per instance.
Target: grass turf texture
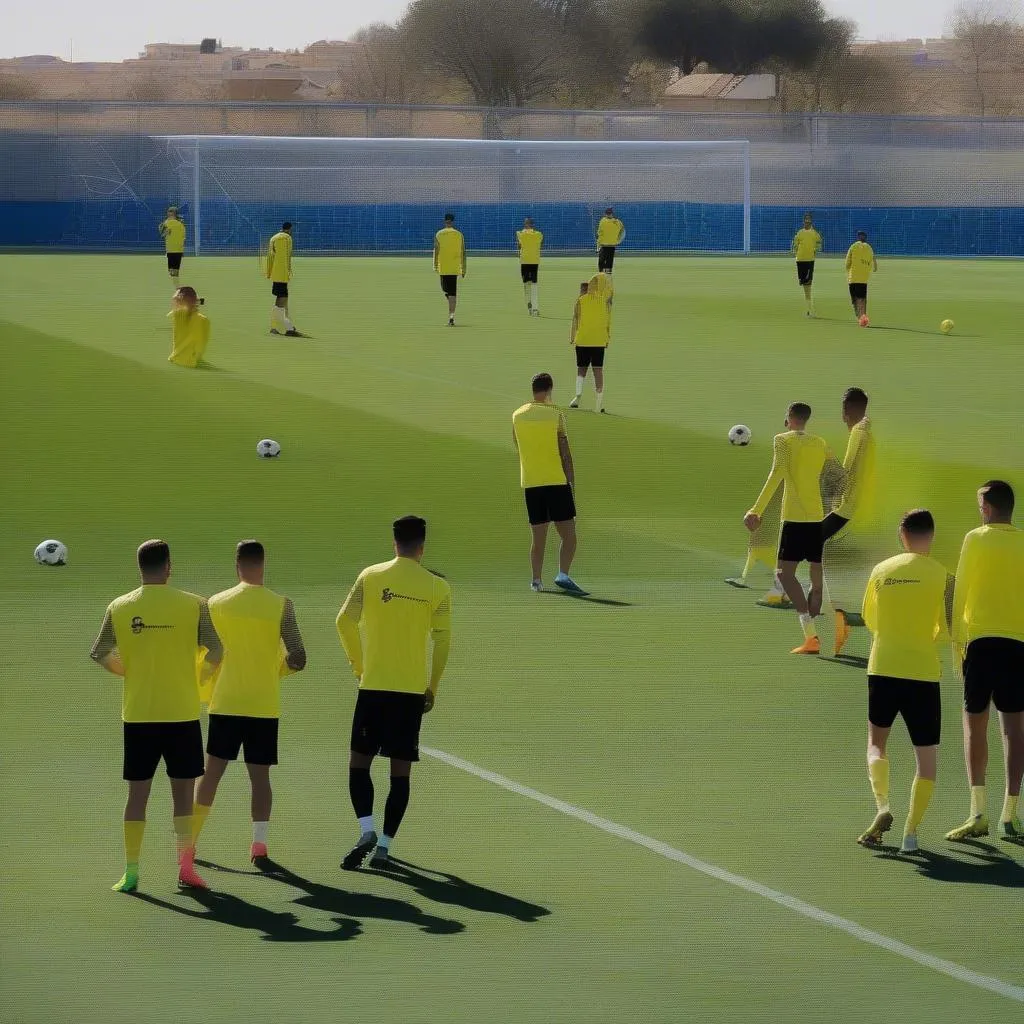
pixel 678 713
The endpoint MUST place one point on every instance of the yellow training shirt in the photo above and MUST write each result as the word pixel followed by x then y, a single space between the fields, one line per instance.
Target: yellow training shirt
pixel 860 262
pixel 797 461
pixel 258 630
pixel 610 231
pixel 859 463
pixel 537 426
pixel 530 241
pixel 807 244
pixel 593 318
pixel 279 258
pixel 450 254
pixel 158 631
pixel 190 334
pixel 989 595
pixel 905 609
pixel 400 605
pixel 173 231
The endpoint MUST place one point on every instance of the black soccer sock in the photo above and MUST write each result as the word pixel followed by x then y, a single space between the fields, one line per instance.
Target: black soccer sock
pixel 360 789
pixel 398 801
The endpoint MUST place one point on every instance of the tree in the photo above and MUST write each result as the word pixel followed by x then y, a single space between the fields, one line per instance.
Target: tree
pixel 381 71
pixel 990 55
pixel 17 87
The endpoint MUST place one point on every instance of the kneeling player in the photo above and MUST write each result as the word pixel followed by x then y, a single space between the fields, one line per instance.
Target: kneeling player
pixel 905 607
pixel 190 330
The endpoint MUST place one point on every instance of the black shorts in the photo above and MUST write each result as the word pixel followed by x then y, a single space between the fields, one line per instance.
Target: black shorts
pixel 228 734
pixel 180 744
pixel 919 702
pixel 587 355
pixel 551 504
pixel 801 542
pixel 605 257
pixel 858 291
pixel 994 673
pixel 280 289
pixel 529 272
pixel 174 260
pixel 831 525
pixel 450 285
pixel 805 271
pixel 387 723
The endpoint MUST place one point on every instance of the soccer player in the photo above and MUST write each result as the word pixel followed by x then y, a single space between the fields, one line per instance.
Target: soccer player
pixel 547 477
pixel 262 643
pixel 172 231
pixel 988 635
pixel 450 262
pixel 861 262
pixel 798 460
pixel 190 330
pixel 905 607
pixel 590 335
pixel 529 240
pixel 154 637
pixel 610 233
pixel 279 273
pixel 806 246
pixel 400 605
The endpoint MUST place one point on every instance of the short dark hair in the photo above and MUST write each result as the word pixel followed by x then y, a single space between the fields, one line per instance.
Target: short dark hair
pixel 862 236
pixel 609 210
pixel 918 522
pixel 449 216
pixel 541 383
pixel 999 495
pixel 409 532
pixel 855 397
pixel 800 411
pixel 153 555
pixel 286 226
pixel 251 551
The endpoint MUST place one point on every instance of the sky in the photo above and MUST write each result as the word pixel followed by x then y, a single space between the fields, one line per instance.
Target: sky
pixel 117 29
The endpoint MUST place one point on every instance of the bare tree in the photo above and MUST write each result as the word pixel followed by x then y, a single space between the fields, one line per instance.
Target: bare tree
pixel 17 87
pixel 381 70
pixel 990 55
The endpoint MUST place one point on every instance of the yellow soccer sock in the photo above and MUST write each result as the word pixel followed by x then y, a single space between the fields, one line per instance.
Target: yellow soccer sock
pixel 977 801
pixel 920 797
pixel 200 812
pixel 133 832
pixel 1010 808
pixel 183 833
pixel 878 773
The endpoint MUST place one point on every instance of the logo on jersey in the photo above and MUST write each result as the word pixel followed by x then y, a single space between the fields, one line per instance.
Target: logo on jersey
pixel 138 625
pixel 387 594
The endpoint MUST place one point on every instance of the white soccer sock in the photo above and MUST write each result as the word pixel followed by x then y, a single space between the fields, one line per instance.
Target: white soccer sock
pixel 259 831
pixel 276 317
pixel 366 824
pixel 288 325
pixel 600 399
pixel 580 381
pixel 533 295
pixel 826 596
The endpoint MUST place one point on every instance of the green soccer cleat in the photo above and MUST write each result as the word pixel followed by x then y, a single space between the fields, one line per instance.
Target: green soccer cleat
pixel 973 828
pixel 129 882
pixel 878 828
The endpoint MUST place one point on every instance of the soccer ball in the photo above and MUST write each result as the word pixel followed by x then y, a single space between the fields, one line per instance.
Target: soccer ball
pixel 864 322
pixel 268 449
pixel 739 435
pixel 51 552
pixel 947 326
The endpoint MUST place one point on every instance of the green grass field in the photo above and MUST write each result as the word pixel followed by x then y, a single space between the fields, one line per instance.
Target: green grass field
pixel 674 710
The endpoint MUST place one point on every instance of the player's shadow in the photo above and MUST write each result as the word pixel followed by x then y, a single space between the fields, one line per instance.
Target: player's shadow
pixel 444 887
pixel 589 598
pixel 988 866
pixel 275 926
pixel 210 367
pixel 347 903
pixel 848 661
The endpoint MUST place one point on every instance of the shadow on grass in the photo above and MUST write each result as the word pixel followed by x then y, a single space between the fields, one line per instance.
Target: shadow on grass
pixel 987 866
pixel 848 660
pixel 589 598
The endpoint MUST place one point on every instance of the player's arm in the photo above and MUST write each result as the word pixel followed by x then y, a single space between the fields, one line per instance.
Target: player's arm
pixel 794 243
pixel 294 648
pixel 104 650
pixel 519 244
pixel 270 259
pixel 869 607
pixel 565 453
pixel 874 260
pixel 348 627
pixel 944 625
pixel 437 251
pixel 849 257
pixel 208 639
pixel 962 587
pixel 775 477
pixel 462 247
pixel 622 233
pixel 574 326
pixel 162 228
pixel 441 645
pixel 819 243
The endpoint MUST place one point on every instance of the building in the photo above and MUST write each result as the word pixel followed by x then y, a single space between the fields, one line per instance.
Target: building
pixel 719 93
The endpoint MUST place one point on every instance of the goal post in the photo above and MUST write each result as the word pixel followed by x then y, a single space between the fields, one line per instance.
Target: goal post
pixel 388 195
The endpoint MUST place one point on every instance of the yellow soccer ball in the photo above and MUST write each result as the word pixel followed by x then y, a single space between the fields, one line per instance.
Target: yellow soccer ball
pixel 947 326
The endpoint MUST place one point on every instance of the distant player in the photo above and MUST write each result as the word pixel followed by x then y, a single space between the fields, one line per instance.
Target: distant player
pixel 154 637
pixel 610 233
pixel 988 635
pixel 529 240
pixel 401 606
pixel 450 262
pixel 172 231
pixel 190 330
pixel 797 463
pixel 547 477
pixel 906 609
pixel 262 643
pixel 861 263
pixel 590 335
pixel 807 244
pixel 279 273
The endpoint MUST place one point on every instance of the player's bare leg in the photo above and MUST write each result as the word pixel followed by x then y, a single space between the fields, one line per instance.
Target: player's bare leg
pixel 452 302
pixel 537 545
pixel 566 553
pixel 976 759
pixel 1012 724
pixel 261 803
pixel 581 380
pixel 808 289
pixel 599 387
pixel 786 575
pixel 878 774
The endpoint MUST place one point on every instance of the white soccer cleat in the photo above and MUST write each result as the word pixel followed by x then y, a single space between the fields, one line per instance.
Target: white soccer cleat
pixel 536 586
pixel 575 403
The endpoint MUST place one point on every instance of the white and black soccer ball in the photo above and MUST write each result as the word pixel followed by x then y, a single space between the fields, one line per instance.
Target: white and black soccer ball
pixel 52 552
pixel 739 435
pixel 268 449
